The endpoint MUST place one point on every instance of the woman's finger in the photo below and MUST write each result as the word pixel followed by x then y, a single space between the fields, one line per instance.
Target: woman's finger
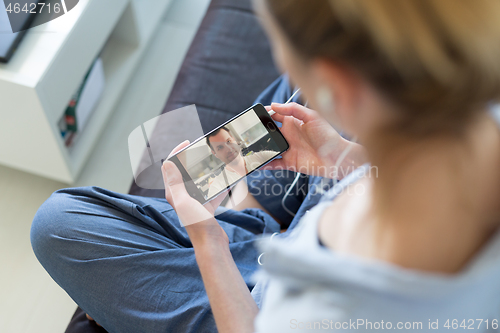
pixel 277 117
pixel 179 147
pixel 168 194
pixel 295 110
pixel 175 190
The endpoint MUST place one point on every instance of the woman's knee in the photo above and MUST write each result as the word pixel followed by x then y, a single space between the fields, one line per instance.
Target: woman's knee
pixel 50 225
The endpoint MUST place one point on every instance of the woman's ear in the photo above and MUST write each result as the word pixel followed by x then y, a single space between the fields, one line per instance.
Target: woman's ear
pixel 345 90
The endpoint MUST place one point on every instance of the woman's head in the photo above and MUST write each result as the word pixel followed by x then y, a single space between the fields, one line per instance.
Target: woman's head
pixel 433 63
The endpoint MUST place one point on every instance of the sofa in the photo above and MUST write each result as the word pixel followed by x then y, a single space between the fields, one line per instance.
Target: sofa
pixel 226 67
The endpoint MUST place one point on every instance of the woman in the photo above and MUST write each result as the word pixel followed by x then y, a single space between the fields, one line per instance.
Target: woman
pixel 412 246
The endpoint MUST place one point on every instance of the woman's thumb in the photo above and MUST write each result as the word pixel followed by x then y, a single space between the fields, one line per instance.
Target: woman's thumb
pixel 171 174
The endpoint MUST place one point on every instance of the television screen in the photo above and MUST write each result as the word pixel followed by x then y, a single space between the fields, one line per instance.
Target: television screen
pixel 8 39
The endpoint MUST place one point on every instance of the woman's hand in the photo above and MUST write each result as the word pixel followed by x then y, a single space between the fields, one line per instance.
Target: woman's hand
pixel 232 304
pixel 197 218
pixel 314 145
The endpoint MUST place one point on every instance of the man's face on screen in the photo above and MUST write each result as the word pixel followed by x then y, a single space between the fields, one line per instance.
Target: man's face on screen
pixel 224 147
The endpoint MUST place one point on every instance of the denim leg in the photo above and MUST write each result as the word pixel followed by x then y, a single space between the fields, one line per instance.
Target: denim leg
pixel 128 263
pixel 279 91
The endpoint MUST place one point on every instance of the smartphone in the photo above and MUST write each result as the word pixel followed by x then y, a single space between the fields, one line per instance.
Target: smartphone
pixel 225 155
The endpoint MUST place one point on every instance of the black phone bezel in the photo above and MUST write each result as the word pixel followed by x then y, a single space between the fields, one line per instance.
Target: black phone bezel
pixel 271 128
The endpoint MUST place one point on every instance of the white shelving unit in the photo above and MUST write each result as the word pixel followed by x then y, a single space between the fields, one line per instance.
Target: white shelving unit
pixel 52 60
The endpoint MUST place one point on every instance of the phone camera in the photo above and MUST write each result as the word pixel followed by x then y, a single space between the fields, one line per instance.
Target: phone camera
pixel 271 126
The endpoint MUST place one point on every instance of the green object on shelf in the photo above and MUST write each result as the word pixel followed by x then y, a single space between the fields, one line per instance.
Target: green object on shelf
pixel 70 113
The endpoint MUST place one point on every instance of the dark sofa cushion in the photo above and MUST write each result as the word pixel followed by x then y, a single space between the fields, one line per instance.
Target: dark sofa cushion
pixel 80 324
pixel 228 64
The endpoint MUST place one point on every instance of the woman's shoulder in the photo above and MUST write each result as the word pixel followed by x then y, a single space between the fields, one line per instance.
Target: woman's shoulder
pixel 310 283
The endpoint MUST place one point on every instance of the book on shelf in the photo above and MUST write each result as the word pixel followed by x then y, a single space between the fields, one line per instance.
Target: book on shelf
pixel 82 103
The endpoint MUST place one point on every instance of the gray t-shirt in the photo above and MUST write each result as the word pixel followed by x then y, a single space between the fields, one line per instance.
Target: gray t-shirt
pixel 305 287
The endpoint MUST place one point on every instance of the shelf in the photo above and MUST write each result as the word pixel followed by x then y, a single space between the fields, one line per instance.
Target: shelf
pixel 39 47
pixel 36 86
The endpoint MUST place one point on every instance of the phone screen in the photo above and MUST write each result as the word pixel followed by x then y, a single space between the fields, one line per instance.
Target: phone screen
pixel 228 153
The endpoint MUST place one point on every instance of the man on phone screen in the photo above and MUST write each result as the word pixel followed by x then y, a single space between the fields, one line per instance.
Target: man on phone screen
pixel 224 146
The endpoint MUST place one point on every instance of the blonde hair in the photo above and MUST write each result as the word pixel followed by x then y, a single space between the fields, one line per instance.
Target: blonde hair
pixel 438 60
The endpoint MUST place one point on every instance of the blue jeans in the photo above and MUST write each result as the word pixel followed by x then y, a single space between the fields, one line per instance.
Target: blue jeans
pixel 126 261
